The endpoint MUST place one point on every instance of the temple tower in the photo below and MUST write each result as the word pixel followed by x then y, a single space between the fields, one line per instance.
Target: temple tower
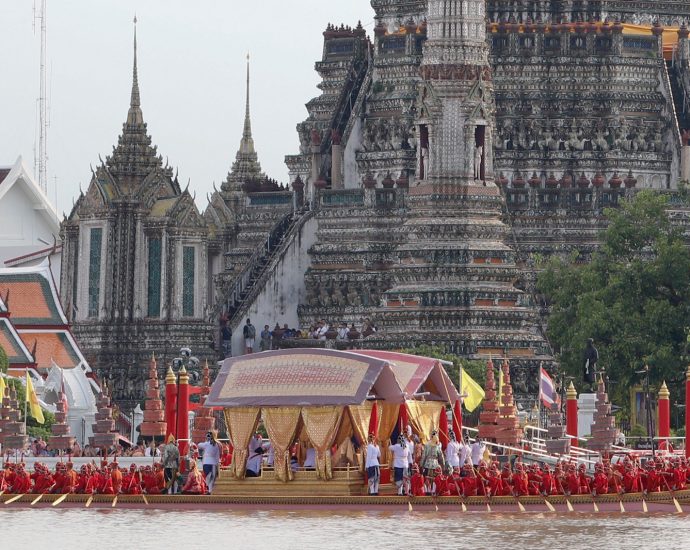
pixel 134 263
pixel 454 281
pixel 456 99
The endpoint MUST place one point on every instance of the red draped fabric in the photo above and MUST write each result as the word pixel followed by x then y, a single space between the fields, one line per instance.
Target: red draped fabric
pixel 374 420
pixel 443 428
pixel 457 420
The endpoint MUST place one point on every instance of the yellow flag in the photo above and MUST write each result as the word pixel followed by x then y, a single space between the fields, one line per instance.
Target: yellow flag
pixel 2 388
pixel 474 394
pixel 32 399
pixel 500 382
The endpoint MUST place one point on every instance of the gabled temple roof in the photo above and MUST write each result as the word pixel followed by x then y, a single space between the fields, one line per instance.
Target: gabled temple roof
pixel 17 352
pixel 19 174
pixel 53 347
pixel 33 297
pixel 33 327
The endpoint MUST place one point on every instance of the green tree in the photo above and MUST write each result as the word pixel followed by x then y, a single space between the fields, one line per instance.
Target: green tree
pixel 4 361
pixel 633 299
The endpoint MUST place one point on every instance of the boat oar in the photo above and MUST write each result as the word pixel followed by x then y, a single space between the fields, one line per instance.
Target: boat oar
pixel 520 506
pixel 596 508
pixel 114 502
pixel 549 505
pixel 146 501
pixel 570 506
pixel 37 499
pixel 622 507
pixel 644 506
pixel 673 495
pixel 88 502
pixel 14 499
pixel 60 499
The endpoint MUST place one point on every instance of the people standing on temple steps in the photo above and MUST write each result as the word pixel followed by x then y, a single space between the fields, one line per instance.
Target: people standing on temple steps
pixel 266 337
pixel 249 333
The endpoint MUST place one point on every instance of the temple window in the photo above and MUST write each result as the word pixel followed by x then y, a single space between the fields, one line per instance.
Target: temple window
pixel 188 280
pixel 154 277
pixel 96 242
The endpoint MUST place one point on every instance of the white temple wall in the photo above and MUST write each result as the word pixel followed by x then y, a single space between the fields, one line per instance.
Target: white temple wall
pixel 283 292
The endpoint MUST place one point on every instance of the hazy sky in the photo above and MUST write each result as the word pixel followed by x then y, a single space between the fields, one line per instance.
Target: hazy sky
pixel 191 59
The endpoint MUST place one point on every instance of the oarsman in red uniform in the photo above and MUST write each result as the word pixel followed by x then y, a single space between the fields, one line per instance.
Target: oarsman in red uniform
pixel 482 480
pixel 679 475
pixel 43 479
pixel 116 478
pixel 21 481
pixel 495 482
pixel 105 482
pixel 560 479
pixel 469 482
pixel 614 479
pixel 71 479
pixel 417 482
pixel 5 478
pixel 195 484
pixel 651 480
pixel 132 481
pixel 507 478
pixel 548 482
pixel 59 478
pixel 440 484
pixel 583 479
pixel 534 479
pixel 572 481
pixel 631 478
pixel 455 483
pixel 520 481
pixel 600 485
pixel 82 480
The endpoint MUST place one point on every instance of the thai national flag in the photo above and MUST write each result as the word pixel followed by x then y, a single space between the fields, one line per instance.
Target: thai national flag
pixel 547 389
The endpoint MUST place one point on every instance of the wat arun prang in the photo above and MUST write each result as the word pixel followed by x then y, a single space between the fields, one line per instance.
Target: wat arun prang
pixel 483 135
pixel 447 150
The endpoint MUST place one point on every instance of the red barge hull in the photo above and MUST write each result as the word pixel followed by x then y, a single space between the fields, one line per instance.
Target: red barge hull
pixel 631 503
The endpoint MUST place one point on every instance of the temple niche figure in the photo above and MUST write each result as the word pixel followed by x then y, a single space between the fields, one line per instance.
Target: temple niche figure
pixel 478 153
pixel 591 359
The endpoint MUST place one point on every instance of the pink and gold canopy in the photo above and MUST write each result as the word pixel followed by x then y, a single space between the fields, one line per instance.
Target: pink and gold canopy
pixel 303 377
pixel 315 377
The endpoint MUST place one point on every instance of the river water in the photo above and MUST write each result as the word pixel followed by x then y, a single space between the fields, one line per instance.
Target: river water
pixel 301 530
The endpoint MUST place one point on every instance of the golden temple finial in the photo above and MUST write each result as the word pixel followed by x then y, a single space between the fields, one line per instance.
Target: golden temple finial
pixel 663 391
pixel 571 392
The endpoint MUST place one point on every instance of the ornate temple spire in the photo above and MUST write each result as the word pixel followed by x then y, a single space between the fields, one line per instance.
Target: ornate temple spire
pixel 247 144
pixel 135 116
pixel 134 157
pixel 246 166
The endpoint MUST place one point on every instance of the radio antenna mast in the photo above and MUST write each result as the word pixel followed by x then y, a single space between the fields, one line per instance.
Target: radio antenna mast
pixel 42 159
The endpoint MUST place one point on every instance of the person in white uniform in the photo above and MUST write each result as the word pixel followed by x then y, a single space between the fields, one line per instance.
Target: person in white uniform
pixel 373 466
pixel 464 452
pixel 477 451
pixel 256 455
pixel 400 454
pixel 453 450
